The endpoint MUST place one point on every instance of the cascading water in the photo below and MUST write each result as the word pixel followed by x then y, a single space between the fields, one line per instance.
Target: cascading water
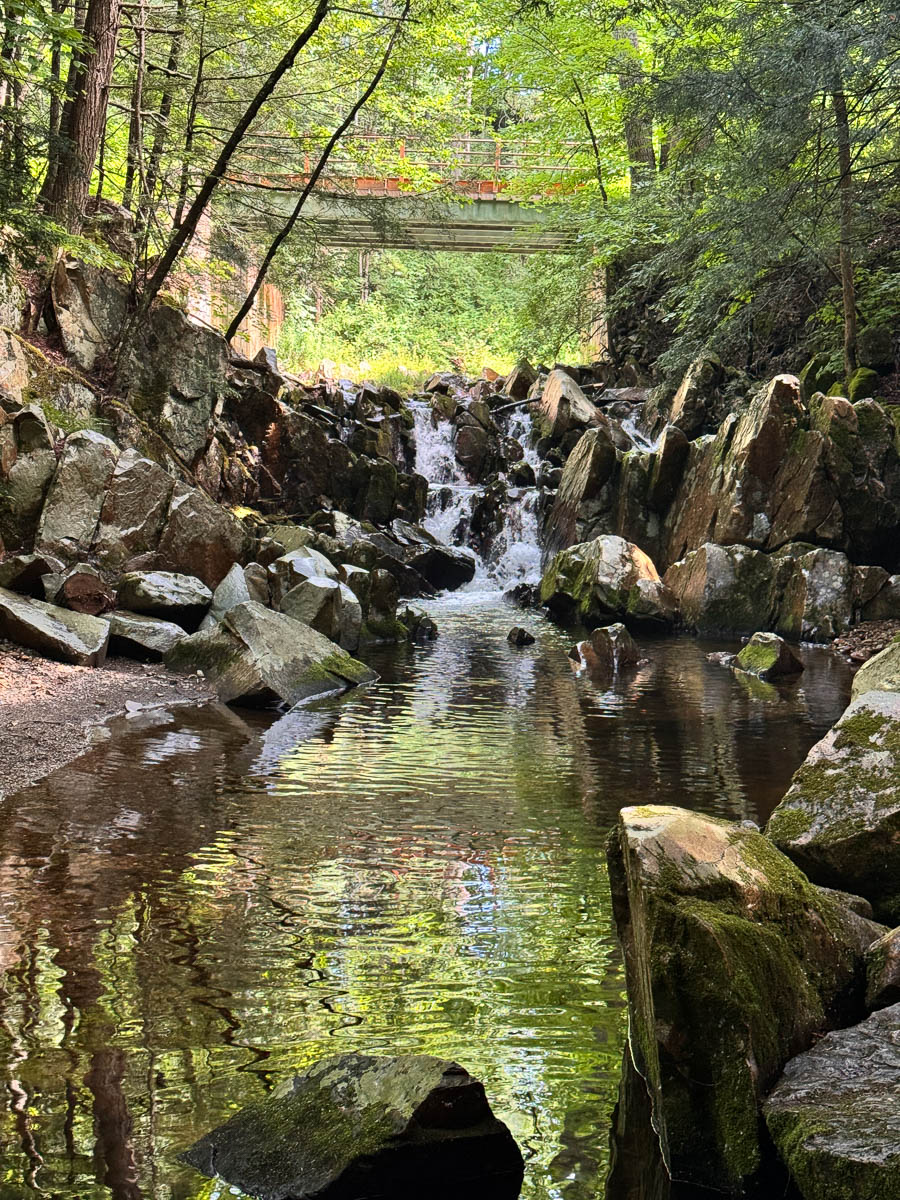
pixel 514 555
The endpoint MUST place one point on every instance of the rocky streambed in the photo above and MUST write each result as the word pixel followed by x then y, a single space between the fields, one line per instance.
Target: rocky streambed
pixel 388 828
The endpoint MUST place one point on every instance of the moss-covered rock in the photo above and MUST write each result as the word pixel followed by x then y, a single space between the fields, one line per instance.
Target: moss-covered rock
pixel 734 963
pixel 256 656
pixel 835 1114
pixel 840 819
pixel 768 656
pixel 863 384
pixel 606 579
pixel 727 588
pixel 881 673
pixel 883 970
pixel 356 1125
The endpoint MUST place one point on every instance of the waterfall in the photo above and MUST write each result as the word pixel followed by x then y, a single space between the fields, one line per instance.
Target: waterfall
pixel 514 555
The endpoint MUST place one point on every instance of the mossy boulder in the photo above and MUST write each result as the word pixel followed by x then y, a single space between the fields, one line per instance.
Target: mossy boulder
pixel 734 963
pixel 768 656
pixel 356 1125
pixel 835 1114
pixel 881 673
pixel 603 580
pixel 258 657
pixel 840 819
pixel 863 384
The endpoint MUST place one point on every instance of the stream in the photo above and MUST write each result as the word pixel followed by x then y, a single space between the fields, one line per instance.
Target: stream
pixel 212 899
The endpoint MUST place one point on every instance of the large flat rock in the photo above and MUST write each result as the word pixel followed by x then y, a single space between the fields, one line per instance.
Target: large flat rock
pixel 835 1114
pixel 56 632
pixel 359 1127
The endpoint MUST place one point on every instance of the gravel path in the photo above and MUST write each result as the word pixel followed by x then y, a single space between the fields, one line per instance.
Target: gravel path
pixel 51 712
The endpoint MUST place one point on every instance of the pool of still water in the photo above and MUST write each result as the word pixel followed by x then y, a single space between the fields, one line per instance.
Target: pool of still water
pixel 200 906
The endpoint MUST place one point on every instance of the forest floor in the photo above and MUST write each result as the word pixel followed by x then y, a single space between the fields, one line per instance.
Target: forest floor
pixel 52 712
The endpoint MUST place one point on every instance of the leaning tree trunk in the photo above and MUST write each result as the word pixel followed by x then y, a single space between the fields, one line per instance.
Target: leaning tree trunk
pixel 66 194
pixel 845 188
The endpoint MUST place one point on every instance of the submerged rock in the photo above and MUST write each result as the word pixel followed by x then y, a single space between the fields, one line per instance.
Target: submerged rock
pixel 768 656
pixel 358 1127
pixel 259 657
pixel 56 632
pixel 518 636
pixel 840 819
pixel 608 650
pixel 605 579
pixel 835 1114
pixel 734 962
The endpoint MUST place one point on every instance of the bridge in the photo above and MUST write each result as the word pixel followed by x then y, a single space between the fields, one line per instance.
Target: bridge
pixel 381 192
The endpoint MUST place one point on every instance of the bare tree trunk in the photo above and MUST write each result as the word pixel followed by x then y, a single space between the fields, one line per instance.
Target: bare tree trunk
pixel 58 7
pixel 165 110
pixel 638 129
pixel 845 187
pixel 135 126
pixel 185 231
pixel 66 194
pixel 285 230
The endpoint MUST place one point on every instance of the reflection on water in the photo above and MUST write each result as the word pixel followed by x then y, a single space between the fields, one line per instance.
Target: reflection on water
pixel 195 909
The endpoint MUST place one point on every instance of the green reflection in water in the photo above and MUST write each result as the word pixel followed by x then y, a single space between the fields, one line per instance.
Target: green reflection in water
pixel 196 909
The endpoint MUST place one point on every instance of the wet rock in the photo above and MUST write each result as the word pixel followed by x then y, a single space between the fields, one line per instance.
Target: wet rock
pixel 233 590
pixel 881 673
pixel 359 1126
pixel 259 657
pixel 605 579
pixel 727 588
pixel 609 649
pixel 669 460
pixel 564 406
pixel 840 819
pixel 477 449
pixel 201 537
pixel 134 509
pixel 420 627
pixel 74 501
pixel 381 623
pixel 439 565
pixel 734 963
pixel 521 474
pixel 883 971
pixel 350 619
pixel 56 632
pixel 518 636
pixel 523 595
pixel 768 656
pixel 835 1114
pixel 147 639
pixel 183 599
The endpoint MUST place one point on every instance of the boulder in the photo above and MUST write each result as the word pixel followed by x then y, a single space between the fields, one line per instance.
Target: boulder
pixel 259 657
pixel 55 632
pixel 201 537
pixel 609 649
pixel 134 509
pixel 835 1114
pixel 520 379
pixel 768 656
pixel 296 566
pixel 180 598
pixel 817 603
pixel 360 1126
pixel 734 963
pixel 233 590
pixel 606 579
pixel 72 509
pixel 24 573
pixel 27 466
pixel 883 970
pixel 669 460
pixel 585 490
pixel 694 404
pixel 722 589
pixel 148 639
pixel 563 406
pixel 884 605
pixel 350 619
pixel 881 673
pixel 840 818
pixel 518 636
pixel 318 603
pixel 90 306
pixel 257 580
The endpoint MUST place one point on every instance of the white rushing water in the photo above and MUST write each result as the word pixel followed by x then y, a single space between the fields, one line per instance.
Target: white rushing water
pixel 514 556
